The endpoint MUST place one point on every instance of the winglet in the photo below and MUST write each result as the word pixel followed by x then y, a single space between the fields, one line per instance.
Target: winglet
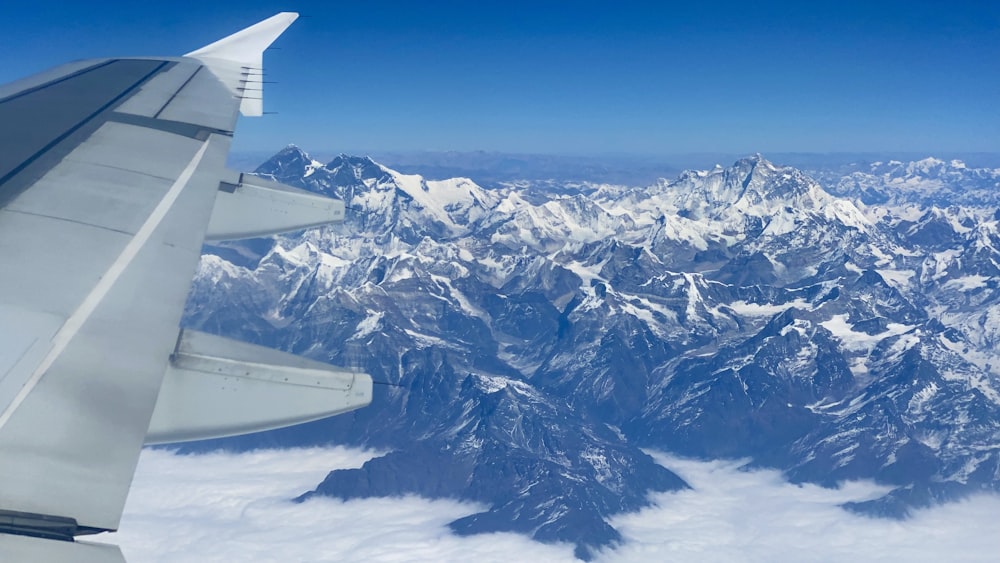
pixel 246 47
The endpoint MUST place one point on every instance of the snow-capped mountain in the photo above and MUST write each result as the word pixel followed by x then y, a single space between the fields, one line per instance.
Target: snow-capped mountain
pixel 531 342
pixel 927 182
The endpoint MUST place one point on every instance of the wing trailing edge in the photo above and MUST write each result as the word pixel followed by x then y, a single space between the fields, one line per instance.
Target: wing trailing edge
pixel 39 550
pixel 249 206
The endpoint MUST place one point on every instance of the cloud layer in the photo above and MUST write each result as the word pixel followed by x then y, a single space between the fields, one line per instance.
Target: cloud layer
pixel 234 507
pixel 734 515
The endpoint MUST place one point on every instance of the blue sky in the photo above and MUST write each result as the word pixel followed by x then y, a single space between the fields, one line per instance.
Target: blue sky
pixel 577 77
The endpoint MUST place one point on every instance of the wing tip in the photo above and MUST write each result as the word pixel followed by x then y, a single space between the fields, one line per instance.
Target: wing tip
pixel 246 48
pixel 247 45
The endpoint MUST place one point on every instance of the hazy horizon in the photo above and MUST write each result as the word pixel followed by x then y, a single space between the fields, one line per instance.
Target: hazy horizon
pixel 489 167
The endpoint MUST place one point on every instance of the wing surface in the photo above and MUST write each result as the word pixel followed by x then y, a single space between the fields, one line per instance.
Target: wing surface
pixel 101 230
pixel 109 172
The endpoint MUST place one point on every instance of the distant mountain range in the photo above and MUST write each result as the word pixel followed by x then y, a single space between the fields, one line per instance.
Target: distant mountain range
pixel 534 336
pixel 490 169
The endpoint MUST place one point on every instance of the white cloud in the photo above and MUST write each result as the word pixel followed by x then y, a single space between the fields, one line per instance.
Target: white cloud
pixel 234 507
pixel 734 515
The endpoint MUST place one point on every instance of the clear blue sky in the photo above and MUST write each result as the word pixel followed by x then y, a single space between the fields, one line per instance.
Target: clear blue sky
pixel 576 77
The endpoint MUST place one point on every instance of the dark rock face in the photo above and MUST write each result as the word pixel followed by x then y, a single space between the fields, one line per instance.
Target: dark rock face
pixel 514 448
pixel 529 346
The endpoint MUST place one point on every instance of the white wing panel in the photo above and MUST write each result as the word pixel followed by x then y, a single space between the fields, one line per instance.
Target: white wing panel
pixel 24 341
pixel 60 242
pixel 156 93
pixel 94 194
pixel 72 435
pixel 52 273
pixel 137 149
pixel 194 103
pixel 35 550
pixel 36 80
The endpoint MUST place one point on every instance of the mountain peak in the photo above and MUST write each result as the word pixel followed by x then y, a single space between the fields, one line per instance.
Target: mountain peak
pixel 292 150
pixel 363 162
pixel 750 180
pixel 289 162
pixel 756 159
pixel 754 196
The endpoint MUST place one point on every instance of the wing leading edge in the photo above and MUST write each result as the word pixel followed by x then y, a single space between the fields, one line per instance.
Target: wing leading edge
pixel 111 174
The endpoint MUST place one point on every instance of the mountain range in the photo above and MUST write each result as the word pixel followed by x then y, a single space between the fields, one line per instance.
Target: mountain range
pixel 532 339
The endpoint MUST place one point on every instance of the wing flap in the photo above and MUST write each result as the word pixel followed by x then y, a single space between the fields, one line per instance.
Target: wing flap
pixel 253 207
pixel 217 387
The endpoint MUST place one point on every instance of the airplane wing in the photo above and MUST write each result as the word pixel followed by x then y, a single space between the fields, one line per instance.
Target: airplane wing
pixel 112 174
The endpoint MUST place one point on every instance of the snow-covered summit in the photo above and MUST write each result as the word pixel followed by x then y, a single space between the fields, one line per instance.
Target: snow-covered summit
pixel 291 161
pixel 380 199
pixel 783 196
